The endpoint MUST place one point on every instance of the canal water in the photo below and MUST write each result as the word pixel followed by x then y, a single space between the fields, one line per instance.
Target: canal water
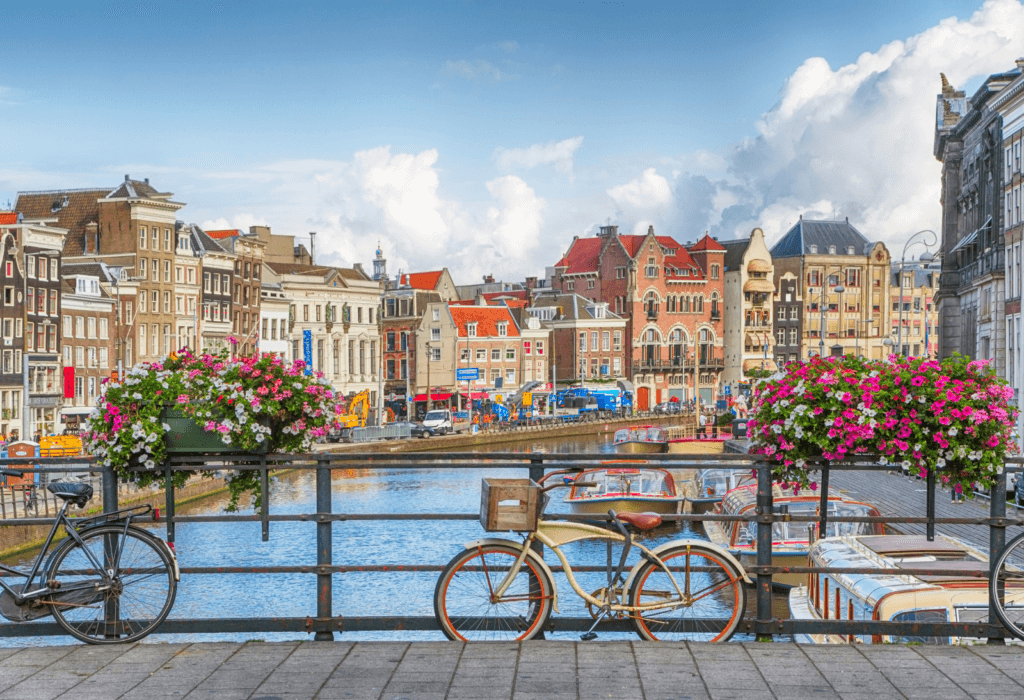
pixel 394 542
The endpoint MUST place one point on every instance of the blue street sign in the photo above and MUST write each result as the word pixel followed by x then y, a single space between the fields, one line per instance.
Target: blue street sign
pixel 726 390
pixel 467 374
pixel 307 350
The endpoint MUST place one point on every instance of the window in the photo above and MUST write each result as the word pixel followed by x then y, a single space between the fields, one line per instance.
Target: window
pixel 79 356
pixel 436 315
pixel 780 336
pixel 43 269
pixel 471 330
pixel 156 269
pixel 90 325
pixel 435 333
pixel 167 270
pixel 510 354
pixel 540 347
pixel 593 341
pixel 8 296
pixel 792 336
pixel 620 273
pixel 714 271
pixel 305 312
pixel 142 237
pixel 495 354
pixel 79 326
pixel 481 355
pixel 31 271
pixel 510 376
pixel 651 269
pixel 167 306
pixel 853 277
pixel 583 342
pixel 527 347
pixel 606 341
pixel 68 322
pixel 502 329
pixel 167 239
pixel 156 244
pixel 92 358
pixel 590 284
pixel 618 340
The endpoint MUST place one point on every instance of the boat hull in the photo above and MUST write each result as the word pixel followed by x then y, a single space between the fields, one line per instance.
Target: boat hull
pixel 625 504
pixel 632 447
pixel 689 446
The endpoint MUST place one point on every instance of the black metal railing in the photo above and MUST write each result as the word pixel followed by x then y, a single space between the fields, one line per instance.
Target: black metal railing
pixel 322 621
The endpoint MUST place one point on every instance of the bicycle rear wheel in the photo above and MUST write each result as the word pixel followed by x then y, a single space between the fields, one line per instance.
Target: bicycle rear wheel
pixel 712 604
pixel 464 604
pixel 123 603
pixel 1007 586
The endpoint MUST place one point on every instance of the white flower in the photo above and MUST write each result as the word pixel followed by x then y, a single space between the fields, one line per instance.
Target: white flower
pixel 150 464
pixel 953 431
pixel 137 396
pixel 165 426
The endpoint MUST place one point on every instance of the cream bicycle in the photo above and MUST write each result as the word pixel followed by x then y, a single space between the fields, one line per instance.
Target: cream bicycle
pixel 502 590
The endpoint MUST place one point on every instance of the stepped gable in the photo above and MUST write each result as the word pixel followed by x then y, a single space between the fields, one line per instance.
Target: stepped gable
pixel 822 234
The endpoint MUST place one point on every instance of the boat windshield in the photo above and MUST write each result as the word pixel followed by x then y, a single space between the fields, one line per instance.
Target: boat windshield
pixel 782 532
pixel 619 481
pixel 716 482
pixel 642 434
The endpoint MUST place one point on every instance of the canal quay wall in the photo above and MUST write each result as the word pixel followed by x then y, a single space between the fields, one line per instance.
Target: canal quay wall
pixel 547 670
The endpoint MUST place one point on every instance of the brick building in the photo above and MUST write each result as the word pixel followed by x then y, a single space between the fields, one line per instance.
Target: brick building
pixel 671 296
pixel 248 251
pixel 88 335
pixel 588 342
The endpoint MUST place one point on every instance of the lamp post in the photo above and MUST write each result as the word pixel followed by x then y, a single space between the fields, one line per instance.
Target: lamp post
pixel 888 342
pixel 838 289
pixel 925 257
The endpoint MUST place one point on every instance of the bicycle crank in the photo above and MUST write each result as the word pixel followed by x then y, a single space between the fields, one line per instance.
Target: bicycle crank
pixel 601 594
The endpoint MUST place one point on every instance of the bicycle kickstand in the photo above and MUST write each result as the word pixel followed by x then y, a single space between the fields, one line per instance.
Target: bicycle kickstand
pixel 590 635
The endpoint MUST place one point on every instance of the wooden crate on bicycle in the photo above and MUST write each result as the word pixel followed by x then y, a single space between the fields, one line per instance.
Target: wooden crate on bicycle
pixel 509 504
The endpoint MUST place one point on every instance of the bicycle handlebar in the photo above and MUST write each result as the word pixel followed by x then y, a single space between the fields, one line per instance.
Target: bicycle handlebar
pixel 11 472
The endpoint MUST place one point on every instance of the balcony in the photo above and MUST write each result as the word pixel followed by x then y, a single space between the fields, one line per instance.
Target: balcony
pixel 988 264
pixel 675 364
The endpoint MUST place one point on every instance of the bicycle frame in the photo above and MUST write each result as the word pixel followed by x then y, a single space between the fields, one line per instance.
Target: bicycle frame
pixel 61 519
pixel 554 533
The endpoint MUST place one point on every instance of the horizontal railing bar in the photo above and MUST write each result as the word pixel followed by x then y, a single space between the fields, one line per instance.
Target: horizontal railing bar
pixel 558 624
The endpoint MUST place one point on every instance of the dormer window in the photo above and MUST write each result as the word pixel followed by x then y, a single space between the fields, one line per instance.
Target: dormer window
pixel 813 249
pixel 502 329
pixel 471 329
pixel 831 250
pixel 849 250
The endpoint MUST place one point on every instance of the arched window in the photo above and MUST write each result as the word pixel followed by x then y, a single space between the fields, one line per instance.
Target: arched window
pixel 715 313
pixel 686 305
pixel 706 342
pixel 698 304
pixel 651 304
pixel 652 347
pixel 670 304
pixel 677 347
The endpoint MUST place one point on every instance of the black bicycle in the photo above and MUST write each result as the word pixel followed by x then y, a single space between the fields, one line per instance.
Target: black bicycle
pixel 107 582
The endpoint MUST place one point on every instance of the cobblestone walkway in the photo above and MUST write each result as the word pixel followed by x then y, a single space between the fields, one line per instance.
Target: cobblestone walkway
pixel 540 670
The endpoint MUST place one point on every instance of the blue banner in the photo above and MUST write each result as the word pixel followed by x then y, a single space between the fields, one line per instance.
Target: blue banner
pixel 307 350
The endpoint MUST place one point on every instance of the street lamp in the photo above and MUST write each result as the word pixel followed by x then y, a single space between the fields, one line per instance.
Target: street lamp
pixel 838 289
pixel 925 257
pixel 889 343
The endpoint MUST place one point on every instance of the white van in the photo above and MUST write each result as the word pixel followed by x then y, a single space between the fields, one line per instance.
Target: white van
pixel 439 420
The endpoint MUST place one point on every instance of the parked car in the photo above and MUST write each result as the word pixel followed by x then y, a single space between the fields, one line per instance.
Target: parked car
pixel 668 408
pixel 417 430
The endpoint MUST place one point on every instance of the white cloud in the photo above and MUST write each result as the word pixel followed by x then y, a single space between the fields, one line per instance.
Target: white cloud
pixel 509 46
pixel 851 141
pixel 560 153
pixel 475 70
pixel 238 221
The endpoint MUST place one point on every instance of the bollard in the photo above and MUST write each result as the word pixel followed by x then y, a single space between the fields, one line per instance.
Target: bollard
pixel 996 542
pixel 536 474
pixel 169 501
pixel 110 506
pixel 765 507
pixel 930 504
pixel 324 590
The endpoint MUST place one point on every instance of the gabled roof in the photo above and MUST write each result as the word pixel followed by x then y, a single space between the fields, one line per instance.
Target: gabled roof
pixel 486 318
pixel 224 233
pixel 572 306
pixel 73 209
pixel 422 280
pixel 205 242
pixel 707 243
pixel 282 268
pixel 583 256
pixel 136 189
pixel 734 251
pixel 841 234
pixel 509 296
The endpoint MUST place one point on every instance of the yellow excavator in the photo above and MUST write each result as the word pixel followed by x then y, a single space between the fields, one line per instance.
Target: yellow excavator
pixel 358 407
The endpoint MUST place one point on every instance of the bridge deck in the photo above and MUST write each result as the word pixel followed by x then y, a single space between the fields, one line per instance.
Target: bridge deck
pixel 531 671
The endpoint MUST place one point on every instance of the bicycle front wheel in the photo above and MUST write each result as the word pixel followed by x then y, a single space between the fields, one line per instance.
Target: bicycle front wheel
pixel 710 608
pixel 464 601
pixel 125 601
pixel 1007 586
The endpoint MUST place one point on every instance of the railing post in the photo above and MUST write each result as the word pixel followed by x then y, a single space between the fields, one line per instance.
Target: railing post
pixel 169 500
pixel 536 474
pixel 823 503
pixel 930 503
pixel 265 498
pixel 111 608
pixel 765 508
pixel 109 490
pixel 324 590
pixel 996 542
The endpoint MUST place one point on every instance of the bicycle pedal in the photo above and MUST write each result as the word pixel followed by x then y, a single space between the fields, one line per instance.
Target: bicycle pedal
pixel 588 636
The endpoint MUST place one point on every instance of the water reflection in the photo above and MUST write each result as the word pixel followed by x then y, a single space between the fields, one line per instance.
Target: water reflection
pixel 360 543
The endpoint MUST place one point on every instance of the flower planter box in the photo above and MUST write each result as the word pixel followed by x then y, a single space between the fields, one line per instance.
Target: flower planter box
pixel 188 437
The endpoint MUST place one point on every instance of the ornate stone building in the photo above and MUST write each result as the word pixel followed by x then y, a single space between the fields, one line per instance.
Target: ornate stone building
pixel 749 297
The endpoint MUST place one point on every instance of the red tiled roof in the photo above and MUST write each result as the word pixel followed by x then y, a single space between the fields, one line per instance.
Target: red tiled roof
pixel 422 280
pixel 499 296
pixel 224 233
pixel 463 302
pixel 708 243
pixel 516 303
pixel 486 318
pixel 8 217
pixel 583 255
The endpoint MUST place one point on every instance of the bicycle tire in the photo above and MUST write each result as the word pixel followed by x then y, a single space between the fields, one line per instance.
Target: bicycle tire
pixel 720 598
pixel 139 592
pixel 462 597
pixel 1009 571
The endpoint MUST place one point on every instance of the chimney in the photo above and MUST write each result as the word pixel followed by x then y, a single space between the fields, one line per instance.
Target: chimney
pixel 531 282
pixel 608 231
pixel 127 178
pixel 650 230
pixel 489 279
pixel 479 300
pixel 147 180
pixel 92 232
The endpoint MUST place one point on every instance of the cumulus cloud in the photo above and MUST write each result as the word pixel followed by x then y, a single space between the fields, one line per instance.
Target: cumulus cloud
pixel 558 153
pixel 393 198
pixel 477 70
pixel 854 141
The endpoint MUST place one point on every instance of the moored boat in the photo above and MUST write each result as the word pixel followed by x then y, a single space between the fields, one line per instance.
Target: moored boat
pixel 628 489
pixel 709 486
pixel 647 439
pixel 790 540
pixel 913 596
pixel 693 446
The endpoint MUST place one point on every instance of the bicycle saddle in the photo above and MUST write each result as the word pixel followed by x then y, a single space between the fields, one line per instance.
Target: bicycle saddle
pixel 76 491
pixel 641 521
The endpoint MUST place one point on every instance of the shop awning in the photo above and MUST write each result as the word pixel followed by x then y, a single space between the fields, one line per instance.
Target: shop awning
pixel 474 395
pixel 967 240
pixel 768 364
pixel 433 397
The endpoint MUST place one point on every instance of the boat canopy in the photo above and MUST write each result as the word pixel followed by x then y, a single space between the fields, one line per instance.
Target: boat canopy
pixel 651 482
pixel 643 433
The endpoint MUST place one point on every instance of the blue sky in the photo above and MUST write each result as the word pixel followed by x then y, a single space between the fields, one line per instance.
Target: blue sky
pixel 484 136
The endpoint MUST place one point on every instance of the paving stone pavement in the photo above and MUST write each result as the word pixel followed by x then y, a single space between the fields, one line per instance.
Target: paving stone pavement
pixel 538 670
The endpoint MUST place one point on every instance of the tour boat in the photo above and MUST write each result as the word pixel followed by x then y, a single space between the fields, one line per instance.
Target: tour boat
pixel 708 488
pixel 906 597
pixel 697 446
pixel 628 489
pixel 790 540
pixel 641 438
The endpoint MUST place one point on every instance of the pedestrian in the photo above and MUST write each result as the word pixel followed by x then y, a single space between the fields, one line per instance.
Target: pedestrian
pixel 702 422
pixel 956 494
